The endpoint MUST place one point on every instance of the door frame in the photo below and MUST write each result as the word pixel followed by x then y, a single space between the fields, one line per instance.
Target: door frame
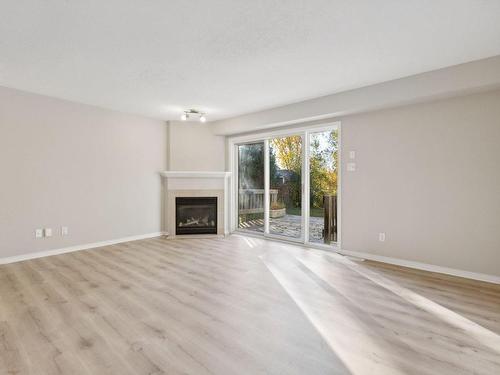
pixel 304 132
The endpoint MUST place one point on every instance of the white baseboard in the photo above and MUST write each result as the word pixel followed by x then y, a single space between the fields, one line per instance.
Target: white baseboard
pixel 47 253
pixel 423 266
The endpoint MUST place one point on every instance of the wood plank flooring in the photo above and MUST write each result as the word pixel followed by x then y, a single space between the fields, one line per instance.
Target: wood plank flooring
pixel 240 306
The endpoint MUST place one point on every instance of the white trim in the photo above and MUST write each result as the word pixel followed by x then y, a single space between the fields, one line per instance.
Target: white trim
pixel 259 137
pixel 227 187
pixel 267 187
pixel 286 240
pixel 303 198
pixel 282 237
pixel 233 199
pixel 194 174
pixel 306 188
pixel 48 253
pixel 423 266
pixel 339 185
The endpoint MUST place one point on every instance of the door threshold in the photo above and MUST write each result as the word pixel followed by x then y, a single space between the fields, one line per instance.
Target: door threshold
pixel 317 246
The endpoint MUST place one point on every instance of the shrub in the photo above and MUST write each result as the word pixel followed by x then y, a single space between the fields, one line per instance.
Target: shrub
pixel 277 205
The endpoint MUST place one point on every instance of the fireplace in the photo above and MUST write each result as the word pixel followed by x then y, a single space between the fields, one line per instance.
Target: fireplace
pixel 195 215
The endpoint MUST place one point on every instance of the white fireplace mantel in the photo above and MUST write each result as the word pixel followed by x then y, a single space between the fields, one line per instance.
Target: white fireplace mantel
pixel 195 174
pixel 196 180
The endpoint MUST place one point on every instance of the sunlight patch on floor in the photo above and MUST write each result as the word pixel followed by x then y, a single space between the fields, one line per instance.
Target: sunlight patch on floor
pixel 482 335
pixel 356 351
pixel 250 242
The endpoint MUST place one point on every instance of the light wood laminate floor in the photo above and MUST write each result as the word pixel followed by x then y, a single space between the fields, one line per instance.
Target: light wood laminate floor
pixel 240 306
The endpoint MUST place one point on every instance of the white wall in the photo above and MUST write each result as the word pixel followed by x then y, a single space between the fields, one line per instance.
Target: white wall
pixel 427 175
pixel 61 163
pixel 193 147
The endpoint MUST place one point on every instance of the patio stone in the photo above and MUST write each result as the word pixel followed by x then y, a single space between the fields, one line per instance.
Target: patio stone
pixel 289 226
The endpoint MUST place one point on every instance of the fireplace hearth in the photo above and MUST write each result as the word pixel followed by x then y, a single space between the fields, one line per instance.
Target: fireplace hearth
pixel 195 215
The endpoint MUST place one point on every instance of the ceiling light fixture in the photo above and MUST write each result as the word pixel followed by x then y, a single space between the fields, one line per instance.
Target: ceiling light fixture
pixel 193 112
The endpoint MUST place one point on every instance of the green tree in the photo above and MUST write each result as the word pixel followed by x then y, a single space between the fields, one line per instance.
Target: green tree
pixel 323 166
pixel 251 166
pixel 288 154
pixel 288 151
pixel 273 167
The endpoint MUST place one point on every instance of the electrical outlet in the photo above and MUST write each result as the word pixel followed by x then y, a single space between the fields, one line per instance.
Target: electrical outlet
pixel 38 233
pixel 64 231
pixel 381 236
pixel 47 232
pixel 351 167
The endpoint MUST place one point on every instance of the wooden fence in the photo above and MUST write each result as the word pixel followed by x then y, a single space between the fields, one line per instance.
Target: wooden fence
pixel 251 201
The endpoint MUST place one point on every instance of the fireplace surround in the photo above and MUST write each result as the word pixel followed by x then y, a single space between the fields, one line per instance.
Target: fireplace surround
pixel 195 184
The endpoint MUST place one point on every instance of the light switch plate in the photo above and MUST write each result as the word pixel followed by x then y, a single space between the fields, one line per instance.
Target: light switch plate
pixel 64 231
pixel 351 167
pixel 352 154
pixel 381 237
pixel 47 232
pixel 38 233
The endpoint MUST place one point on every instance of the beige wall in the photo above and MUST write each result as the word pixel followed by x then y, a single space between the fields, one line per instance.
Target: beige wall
pixel 428 176
pixel 92 170
pixel 193 147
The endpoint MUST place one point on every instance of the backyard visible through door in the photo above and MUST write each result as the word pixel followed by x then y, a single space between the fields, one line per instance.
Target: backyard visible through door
pixel 299 173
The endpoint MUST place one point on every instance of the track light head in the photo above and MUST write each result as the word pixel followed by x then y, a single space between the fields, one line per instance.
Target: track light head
pixel 193 112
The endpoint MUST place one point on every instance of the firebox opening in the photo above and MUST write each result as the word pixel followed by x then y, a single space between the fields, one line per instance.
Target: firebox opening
pixel 195 215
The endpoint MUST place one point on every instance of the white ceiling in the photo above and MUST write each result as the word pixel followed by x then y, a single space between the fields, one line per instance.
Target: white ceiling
pixel 230 57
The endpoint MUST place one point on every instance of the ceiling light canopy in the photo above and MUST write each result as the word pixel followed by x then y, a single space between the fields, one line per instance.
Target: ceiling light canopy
pixel 194 113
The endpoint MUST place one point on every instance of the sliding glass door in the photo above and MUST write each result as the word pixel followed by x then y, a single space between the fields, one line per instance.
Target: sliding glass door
pixel 287 185
pixel 251 187
pixel 323 162
pixel 285 182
